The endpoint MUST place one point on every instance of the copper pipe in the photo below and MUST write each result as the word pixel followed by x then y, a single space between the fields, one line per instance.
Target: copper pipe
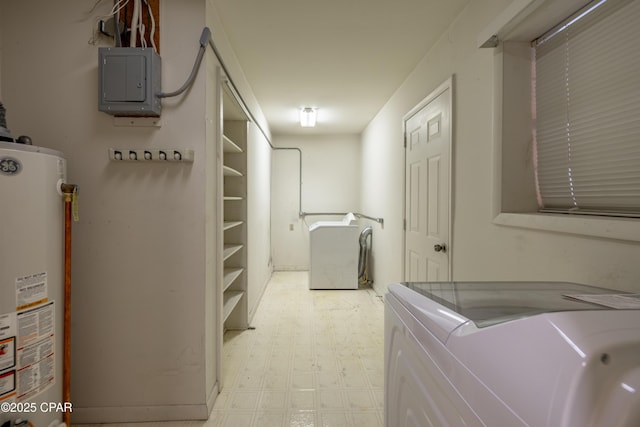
pixel 67 190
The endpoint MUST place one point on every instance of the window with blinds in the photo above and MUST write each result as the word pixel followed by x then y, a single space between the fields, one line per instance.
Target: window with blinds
pixel 586 111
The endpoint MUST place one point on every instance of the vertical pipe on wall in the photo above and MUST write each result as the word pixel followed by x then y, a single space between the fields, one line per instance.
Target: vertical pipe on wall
pixel 68 191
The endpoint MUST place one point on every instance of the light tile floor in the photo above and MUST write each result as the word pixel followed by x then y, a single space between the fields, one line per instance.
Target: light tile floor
pixel 315 358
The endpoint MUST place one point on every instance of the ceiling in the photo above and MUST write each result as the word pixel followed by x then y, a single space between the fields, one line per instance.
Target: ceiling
pixel 343 57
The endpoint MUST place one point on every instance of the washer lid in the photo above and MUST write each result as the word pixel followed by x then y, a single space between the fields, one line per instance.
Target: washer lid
pixel 345 222
pixel 490 303
pixel 433 316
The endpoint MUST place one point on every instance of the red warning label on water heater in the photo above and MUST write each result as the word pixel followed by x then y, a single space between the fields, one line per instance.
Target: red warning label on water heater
pixel 8 361
pixel 7 353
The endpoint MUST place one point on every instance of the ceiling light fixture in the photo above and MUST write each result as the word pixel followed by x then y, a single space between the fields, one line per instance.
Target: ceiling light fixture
pixel 308 117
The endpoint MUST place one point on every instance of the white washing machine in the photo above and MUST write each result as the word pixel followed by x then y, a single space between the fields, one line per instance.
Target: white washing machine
pixel 511 354
pixel 333 259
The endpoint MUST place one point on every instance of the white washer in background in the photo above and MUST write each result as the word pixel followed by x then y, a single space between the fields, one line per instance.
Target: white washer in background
pixel 333 260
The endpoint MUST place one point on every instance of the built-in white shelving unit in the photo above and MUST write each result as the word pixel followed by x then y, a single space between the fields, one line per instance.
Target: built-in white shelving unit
pixel 234 224
pixel 231 301
pixel 230 250
pixel 228 225
pixel 230 171
pixel 229 146
pixel 230 275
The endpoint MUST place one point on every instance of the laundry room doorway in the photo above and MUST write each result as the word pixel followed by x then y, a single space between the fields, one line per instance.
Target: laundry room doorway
pixel 427 224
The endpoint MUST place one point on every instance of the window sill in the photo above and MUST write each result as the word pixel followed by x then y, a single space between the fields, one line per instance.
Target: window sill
pixel 603 227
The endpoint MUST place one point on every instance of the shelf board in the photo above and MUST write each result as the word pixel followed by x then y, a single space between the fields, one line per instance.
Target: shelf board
pixel 228 146
pixel 231 299
pixel 227 225
pixel 230 275
pixel 228 171
pixel 232 198
pixel 230 250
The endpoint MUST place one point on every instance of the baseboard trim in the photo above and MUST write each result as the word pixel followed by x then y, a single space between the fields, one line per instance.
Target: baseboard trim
pixel 136 414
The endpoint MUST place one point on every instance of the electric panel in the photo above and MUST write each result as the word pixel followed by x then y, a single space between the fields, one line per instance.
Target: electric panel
pixel 129 81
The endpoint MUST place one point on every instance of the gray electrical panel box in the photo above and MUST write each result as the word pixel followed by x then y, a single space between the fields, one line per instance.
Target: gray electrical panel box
pixel 129 81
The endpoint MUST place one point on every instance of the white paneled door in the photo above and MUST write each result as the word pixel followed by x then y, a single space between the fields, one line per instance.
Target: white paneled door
pixel 427 188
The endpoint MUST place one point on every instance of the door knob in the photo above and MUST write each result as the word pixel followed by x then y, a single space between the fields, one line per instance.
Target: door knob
pixel 440 248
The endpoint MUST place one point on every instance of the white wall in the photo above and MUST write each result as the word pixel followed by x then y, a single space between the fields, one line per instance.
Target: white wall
pixel 481 250
pixel 144 265
pixel 330 183
pixel 259 216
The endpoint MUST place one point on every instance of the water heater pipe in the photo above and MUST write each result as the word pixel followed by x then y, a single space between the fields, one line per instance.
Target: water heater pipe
pixel 68 191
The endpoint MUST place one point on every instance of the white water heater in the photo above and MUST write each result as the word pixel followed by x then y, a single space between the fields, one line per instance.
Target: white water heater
pixel 31 284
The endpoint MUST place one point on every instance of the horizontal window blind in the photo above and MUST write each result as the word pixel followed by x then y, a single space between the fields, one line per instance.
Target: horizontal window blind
pixel 587 111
